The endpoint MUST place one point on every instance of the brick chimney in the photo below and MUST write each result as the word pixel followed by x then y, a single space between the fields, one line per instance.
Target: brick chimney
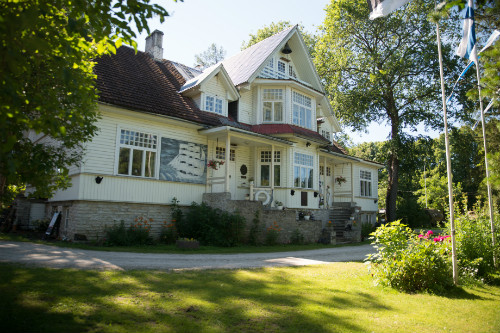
pixel 154 45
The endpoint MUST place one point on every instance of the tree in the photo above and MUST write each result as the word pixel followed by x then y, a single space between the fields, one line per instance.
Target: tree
pixel 384 70
pixel 47 85
pixel 274 28
pixel 214 54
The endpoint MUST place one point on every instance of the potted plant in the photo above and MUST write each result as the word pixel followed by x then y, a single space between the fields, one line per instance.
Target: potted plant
pixel 306 214
pixel 279 204
pixel 214 164
pixel 340 179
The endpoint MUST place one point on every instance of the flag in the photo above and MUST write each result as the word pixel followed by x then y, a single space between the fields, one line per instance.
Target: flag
pixel 467 47
pixel 477 116
pixel 379 8
pixel 490 40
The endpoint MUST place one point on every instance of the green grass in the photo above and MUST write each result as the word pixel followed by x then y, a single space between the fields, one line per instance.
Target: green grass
pixel 336 297
pixel 160 248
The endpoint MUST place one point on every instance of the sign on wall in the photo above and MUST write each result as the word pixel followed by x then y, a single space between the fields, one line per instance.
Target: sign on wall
pixel 182 161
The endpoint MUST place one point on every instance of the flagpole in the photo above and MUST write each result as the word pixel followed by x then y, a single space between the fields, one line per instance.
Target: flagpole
pixel 448 163
pixel 488 185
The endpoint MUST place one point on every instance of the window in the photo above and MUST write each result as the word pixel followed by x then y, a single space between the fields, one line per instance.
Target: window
pixel 137 154
pixel 281 70
pixel 214 104
pixel 365 183
pixel 291 71
pixel 326 135
pixel 328 171
pixel 321 170
pixel 303 170
pixel 265 168
pixel 302 110
pixel 273 105
pixel 220 153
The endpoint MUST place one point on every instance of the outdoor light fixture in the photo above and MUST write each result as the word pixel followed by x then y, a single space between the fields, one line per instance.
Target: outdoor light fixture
pixel 98 179
pixel 292 192
pixel 286 49
pixel 308 144
pixel 315 194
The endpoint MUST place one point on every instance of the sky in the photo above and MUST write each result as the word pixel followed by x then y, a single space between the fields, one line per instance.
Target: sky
pixel 193 25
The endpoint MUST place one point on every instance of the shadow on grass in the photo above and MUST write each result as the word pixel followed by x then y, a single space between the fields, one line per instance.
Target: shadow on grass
pixel 45 300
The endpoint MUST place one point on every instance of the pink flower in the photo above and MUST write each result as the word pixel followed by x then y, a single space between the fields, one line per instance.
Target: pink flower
pixel 421 236
pixel 429 233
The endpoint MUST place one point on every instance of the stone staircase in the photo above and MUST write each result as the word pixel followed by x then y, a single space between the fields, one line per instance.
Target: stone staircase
pixel 340 215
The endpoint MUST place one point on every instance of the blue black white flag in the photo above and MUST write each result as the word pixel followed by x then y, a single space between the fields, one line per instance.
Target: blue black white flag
pixel 467 47
pixel 379 8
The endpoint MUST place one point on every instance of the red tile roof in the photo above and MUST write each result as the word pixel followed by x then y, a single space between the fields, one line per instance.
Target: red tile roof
pixel 273 129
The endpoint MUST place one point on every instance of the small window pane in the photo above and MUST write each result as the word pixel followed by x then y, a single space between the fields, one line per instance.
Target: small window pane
pixel 278 111
pixel 149 170
pixel 277 175
pixel 264 175
pixel 268 111
pixel 123 161
pixel 137 163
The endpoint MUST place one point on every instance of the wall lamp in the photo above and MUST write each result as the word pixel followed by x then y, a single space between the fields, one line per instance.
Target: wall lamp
pixel 98 179
pixel 292 192
pixel 308 144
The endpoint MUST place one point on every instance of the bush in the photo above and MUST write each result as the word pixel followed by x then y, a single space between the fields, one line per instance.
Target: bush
pixel 253 233
pixel 366 229
pixel 474 244
pixel 297 238
pixel 135 234
pixel 41 225
pixel 168 234
pixel 210 226
pixel 272 234
pixel 409 263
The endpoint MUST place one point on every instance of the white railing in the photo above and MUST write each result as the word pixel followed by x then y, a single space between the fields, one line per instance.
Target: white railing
pixel 216 181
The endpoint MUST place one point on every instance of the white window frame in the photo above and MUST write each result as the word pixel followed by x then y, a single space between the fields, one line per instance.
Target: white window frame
pixel 137 140
pixel 264 159
pixel 365 183
pixel 220 154
pixel 274 102
pixel 303 170
pixel 302 110
pixel 215 104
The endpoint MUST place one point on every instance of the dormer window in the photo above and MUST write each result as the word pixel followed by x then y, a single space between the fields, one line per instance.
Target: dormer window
pixel 281 70
pixel 272 105
pixel 214 104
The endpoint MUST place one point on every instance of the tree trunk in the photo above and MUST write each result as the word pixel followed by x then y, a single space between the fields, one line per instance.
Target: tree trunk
pixel 393 162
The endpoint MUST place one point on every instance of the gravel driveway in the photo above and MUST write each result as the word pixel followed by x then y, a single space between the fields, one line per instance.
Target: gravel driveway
pixel 57 257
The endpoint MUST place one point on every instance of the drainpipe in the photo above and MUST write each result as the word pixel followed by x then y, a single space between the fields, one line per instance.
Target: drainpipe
pixel 228 154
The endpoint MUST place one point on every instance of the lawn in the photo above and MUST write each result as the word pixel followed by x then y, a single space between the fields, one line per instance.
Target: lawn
pixel 337 297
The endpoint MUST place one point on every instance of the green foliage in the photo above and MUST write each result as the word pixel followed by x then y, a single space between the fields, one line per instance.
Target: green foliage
pixel 213 55
pixel 210 226
pixel 409 263
pixel 474 242
pixel 366 229
pixel 272 234
pixel 369 70
pixel 253 233
pixel 41 225
pixel 47 87
pixel 138 234
pixel 274 28
pixel 297 238
pixel 168 233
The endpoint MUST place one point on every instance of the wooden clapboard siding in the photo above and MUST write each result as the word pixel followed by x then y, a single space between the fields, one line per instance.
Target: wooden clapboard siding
pixel 246 114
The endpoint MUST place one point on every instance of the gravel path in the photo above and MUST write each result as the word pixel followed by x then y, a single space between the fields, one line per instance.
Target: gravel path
pixel 57 257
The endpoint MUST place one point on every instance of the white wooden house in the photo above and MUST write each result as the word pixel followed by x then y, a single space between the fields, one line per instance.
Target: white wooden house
pixel 263 112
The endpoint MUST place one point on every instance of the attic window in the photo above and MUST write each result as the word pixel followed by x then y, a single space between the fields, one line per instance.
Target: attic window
pixel 214 104
pixel 281 70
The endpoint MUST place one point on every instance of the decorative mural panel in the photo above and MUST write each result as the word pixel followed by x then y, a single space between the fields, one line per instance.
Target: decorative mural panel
pixel 182 161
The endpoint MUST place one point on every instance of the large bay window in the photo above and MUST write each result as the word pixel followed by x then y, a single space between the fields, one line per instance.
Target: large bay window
pixel 273 105
pixel 137 154
pixel 265 168
pixel 303 170
pixel 302 110
pixel 365 183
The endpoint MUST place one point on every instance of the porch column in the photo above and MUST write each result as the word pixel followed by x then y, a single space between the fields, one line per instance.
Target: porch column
pixel 272 168
pixel 352 182
pixel 325 203
pixel 228 155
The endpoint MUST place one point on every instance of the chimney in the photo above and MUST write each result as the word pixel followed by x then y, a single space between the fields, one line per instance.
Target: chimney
pixel 154 45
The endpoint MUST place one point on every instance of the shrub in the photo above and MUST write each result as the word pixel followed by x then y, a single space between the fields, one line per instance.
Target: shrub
pixel 297 238
pixel 409 263
pixel 41 225
pixel 253 234
pixel 366 229
pixel 210 226
pixel 168 234
pixel 474 244
pixel 272 234
pixel 135 234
